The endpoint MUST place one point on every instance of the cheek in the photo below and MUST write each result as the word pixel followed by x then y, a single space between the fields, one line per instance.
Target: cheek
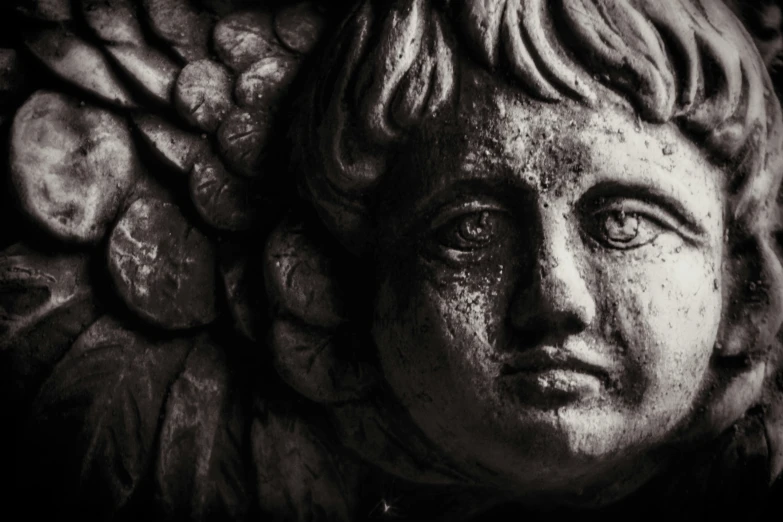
pixel 666 313
pixel 436 330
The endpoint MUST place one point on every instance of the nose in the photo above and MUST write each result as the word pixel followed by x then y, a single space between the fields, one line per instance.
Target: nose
pixel 554 301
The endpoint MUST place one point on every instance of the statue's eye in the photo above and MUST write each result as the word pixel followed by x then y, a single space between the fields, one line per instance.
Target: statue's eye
pixel 470 231
pixel 624 226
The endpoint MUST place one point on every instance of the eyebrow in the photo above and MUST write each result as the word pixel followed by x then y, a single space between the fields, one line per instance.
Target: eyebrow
pixel 649 194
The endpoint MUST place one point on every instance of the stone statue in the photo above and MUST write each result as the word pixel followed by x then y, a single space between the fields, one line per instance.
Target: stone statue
pixel 401 259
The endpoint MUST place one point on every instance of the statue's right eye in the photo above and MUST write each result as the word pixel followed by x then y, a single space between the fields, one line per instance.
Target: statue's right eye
pixel 474 231
pixel 471 231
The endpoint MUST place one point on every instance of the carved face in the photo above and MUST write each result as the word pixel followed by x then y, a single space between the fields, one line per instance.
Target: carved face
pixel 550 291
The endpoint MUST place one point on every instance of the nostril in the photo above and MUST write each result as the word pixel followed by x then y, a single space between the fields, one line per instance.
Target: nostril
pixel 545 329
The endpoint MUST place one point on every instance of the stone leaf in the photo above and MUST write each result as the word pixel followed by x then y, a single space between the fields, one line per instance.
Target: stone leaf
pixel 244 37
pixel 200 473
pixel 301 277
pixel 319 363
pixel 176 148
pixel 95 421
pixel 299 26
pixel 264 83
pixel 163 268
pixel 182 25
pixel 223 200
pixel 298 476
pixel 148 68
pixel 79 63
pixel 71 165
pixel 48 10
pixel 46 301
pixel 242 140
pixel 113 21
pixel 244 287
pixel 202 94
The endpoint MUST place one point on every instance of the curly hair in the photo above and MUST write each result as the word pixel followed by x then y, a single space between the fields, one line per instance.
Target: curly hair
pixel 394 65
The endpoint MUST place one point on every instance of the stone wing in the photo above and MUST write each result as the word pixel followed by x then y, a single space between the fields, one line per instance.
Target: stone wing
pixel 142 180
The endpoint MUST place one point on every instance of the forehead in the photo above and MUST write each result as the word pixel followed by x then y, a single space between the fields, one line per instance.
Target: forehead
pixel 498 136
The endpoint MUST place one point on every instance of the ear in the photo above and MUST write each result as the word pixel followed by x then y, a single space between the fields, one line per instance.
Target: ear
pixel 316 347
pixel 753 301
pixel 747 348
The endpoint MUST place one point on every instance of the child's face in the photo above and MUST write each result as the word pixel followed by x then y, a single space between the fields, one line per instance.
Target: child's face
pixel 550 295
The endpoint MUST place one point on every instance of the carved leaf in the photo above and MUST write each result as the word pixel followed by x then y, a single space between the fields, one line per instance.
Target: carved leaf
pixel 265 82
pixel 242 139
pixel 49 10
pixel 150 70
pixel 175 147
pixel 71 165
pixel 200 473
pixel 95 421
pixel 244 287
pixel 162 266
pixel 244 37
pixel 223 200
pixel 301 276
pixel 113 21
pixel 298 476
pixel 299 26
pixel 182 25
pixel 46 301
pixel 78 62
pixel 203 94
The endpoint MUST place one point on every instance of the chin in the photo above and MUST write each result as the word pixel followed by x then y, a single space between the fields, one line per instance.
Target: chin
pixel 579 453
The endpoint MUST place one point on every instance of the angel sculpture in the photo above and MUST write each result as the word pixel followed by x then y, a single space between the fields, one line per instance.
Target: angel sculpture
pixel 400 259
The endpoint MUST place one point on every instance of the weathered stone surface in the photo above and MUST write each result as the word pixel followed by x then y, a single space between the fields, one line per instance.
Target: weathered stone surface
pixel 299 26
pixel 162 267
pixel 203 94
pixel 242 138
pixel 149 69
pixel 71 165
pixel 201 472
pixel 244 286
pixel 223 200
pixel 264 83
pixel 74 60
pixel 300 276
pixel 297 475
pixel 175 147
pixel 46 301
pixel 113 21
pixel 95 422
pixel 319 363
pixel 244 37
pixel 182 25
pixel 48 10
pixel 564 284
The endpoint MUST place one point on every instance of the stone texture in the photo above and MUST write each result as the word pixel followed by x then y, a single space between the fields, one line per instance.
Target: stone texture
pixel 163 267
pixel 71 165
pixel 203 94
pixel 244 37
pixel 223 200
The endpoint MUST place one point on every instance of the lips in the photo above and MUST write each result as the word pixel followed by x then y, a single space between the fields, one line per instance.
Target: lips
pixel 550 358
pixel 547 372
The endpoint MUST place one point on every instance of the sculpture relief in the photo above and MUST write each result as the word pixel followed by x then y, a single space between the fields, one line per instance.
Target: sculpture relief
pixel 408 260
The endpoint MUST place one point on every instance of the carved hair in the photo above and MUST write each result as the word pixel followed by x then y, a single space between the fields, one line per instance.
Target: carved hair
pixel 394 65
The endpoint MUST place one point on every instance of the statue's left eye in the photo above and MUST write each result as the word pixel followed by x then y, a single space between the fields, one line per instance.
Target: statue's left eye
pixel 624 229
pixel 471 231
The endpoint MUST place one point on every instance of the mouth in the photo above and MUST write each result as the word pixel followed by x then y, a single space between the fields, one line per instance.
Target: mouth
pixel 550 376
